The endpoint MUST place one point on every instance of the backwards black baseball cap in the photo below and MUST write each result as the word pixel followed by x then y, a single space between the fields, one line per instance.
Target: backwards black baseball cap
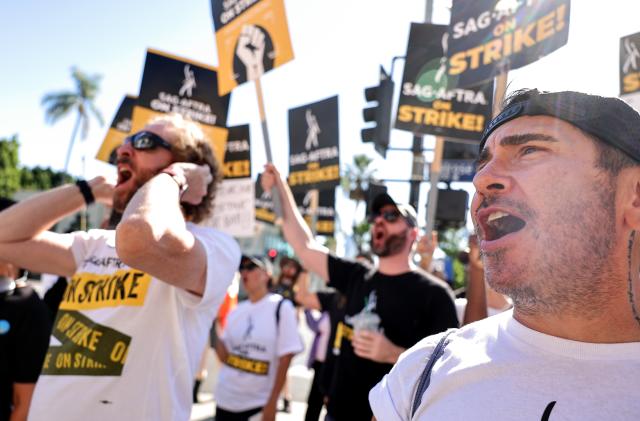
pixel 609 119
pixel 407 211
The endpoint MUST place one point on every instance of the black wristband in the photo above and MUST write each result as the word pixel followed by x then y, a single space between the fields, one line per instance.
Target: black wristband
pixel 85 189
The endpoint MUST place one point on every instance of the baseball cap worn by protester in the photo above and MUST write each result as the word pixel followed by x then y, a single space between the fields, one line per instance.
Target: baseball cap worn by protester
pixel 407 211
pixel 251 262
pixel 609 119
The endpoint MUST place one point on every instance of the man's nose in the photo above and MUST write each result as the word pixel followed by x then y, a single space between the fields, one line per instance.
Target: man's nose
pixel 124 150
pixel 492 178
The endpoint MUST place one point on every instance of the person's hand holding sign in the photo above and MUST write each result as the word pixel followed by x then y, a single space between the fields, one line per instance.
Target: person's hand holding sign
pixel 250 50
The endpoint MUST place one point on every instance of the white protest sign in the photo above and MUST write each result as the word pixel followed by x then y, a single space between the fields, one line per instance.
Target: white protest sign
pixel 234 208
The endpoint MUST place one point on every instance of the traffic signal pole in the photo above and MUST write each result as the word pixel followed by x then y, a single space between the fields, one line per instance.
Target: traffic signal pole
pixel 436 164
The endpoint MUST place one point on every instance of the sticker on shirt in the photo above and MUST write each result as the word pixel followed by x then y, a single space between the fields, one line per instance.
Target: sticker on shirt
pixel 248 365
pixel 87 291
pixel 87 348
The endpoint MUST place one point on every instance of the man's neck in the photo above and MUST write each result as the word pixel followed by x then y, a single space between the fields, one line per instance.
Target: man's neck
pixel 395 265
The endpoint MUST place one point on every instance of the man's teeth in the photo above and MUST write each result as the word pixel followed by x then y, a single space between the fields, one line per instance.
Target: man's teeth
pixel 496 215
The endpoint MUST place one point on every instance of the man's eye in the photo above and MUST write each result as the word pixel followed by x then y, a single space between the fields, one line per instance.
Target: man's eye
pixel 528 150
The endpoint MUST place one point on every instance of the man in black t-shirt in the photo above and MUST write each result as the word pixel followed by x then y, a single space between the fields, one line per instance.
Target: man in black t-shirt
pixel 24 337
pixel 388 309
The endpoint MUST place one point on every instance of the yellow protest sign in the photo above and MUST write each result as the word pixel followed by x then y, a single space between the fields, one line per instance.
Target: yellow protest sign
pixel 172 84
pixel 119 129
pixel 252 38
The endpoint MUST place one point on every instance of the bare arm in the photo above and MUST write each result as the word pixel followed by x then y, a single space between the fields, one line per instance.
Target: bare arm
pixel 221 350
pixel 152 235
pixel 476 308
pixel 303 296
pixel 296 232
pixel 268 413
pixel 24 240
pixel 22 393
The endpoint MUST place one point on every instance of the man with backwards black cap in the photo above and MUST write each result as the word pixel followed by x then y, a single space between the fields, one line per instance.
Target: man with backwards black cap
pixel 557 208
pixel 388 308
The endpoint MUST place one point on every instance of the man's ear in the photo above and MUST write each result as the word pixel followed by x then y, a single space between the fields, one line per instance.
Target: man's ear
pixel 413 234
pixel 631 197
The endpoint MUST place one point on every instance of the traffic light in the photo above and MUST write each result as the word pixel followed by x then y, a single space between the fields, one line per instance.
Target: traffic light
pixel 451 211
pixel 379 113
pixel 272 254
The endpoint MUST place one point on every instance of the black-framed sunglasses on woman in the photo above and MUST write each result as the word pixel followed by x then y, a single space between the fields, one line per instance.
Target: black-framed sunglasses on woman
pixel 145 140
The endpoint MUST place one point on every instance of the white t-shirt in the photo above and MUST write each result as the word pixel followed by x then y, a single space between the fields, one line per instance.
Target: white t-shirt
pixel 251 333
pixel 126 346
pixel 497 369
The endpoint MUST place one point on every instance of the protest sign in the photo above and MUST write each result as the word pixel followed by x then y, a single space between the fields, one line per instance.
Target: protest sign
pixel 325 212
pixel 119 129
pixel 175 85
pixel 237 157
pixel 430 101
pixel 314 156
pixel 264 204
pixel 252 37
pixel 485 35
pixel 630 64
pixel 233 209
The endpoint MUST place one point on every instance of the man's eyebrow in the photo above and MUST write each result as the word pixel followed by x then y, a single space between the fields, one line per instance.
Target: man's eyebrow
pixel 520 139
pixel 514 140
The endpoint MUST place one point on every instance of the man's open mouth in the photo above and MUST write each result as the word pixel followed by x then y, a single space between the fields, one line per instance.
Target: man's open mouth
pixel 123 175
pixel 499 223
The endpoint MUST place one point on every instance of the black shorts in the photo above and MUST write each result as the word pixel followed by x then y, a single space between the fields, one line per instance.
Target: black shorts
pixel 224 415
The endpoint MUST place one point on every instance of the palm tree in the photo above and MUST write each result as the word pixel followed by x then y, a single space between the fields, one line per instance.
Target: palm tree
pixel 355 183
pixel 81 100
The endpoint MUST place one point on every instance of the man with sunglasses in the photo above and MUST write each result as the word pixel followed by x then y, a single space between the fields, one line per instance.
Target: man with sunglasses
pixel 134 318
pixel 388 308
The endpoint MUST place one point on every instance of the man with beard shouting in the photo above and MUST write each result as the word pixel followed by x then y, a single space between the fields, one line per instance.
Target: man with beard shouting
pixel 388 308
pixel 557 212
pixel 135 316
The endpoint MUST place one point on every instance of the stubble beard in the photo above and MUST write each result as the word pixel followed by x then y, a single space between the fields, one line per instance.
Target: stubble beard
pixel 392 245
pixel 121 199
pixel 565 271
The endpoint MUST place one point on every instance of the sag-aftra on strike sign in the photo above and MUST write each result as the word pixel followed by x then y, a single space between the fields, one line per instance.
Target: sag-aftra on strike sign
pixel 487 34
pixel 630 64
pixel 431 101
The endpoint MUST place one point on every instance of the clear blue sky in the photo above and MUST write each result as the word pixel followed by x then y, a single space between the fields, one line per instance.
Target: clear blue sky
pixel 338 46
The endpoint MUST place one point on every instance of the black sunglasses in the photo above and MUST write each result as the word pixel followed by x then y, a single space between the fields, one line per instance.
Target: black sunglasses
pixel 389 216
pixel 144 141
pixel 248 266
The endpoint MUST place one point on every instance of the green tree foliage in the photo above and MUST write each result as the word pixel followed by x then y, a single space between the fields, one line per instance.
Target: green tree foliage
pixel 39 178
pixel 357 176
pixel 355 183
pixel 453 241
pixel 80 100
pixel 13 177
pixel 9 171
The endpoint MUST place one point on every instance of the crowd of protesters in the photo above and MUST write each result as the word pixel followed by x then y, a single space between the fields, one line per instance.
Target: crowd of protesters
pixel 549 326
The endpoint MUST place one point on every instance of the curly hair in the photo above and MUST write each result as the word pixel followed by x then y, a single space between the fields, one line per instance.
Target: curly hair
pixel 191 145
